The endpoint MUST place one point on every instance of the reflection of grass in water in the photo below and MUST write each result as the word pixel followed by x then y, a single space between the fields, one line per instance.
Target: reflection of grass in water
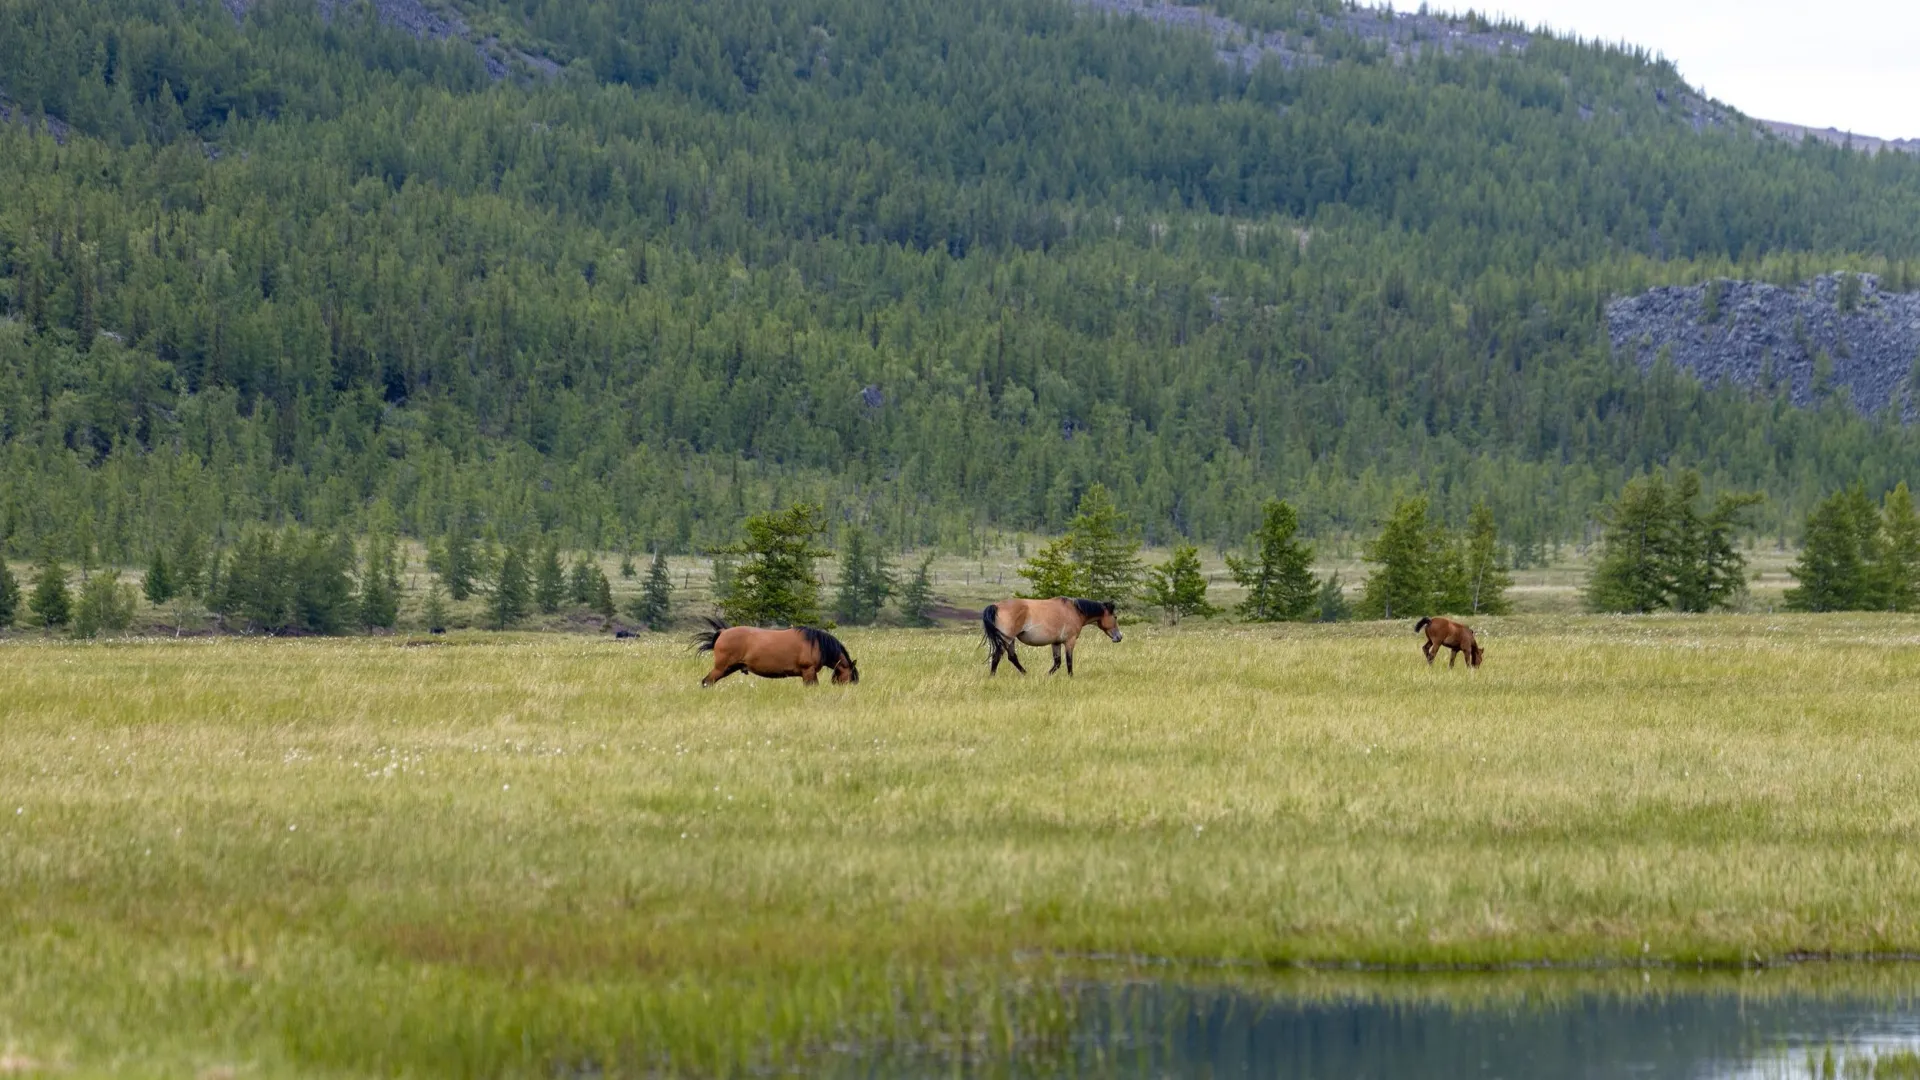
pixel 507 854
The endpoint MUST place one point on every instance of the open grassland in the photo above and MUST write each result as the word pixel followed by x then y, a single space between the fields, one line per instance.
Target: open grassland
pixel 499 854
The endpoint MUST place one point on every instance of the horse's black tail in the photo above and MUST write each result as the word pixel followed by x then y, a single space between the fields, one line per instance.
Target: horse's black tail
pixel 989 622
pixel 703 640
pixel 1422 624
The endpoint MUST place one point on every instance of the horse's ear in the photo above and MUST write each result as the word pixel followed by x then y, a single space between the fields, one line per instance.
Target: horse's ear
pixel 1109 606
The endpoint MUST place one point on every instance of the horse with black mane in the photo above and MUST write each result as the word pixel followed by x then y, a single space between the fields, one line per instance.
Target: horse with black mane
pixel 1056 622
pixel 1447 634
pixel 774 654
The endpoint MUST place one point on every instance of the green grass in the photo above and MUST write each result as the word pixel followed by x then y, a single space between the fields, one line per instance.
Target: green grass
pixel 512 855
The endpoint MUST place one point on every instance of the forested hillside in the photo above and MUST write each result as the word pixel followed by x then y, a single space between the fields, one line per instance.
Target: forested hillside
pixel 938 266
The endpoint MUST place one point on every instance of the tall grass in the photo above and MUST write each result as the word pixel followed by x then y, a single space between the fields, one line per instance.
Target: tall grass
pixel 521 855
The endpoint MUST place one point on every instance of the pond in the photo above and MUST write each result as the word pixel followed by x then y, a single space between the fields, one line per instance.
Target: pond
pixel 1474 1027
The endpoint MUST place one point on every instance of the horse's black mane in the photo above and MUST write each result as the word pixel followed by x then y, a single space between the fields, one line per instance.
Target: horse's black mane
pixel 831 651
pixel 1093 609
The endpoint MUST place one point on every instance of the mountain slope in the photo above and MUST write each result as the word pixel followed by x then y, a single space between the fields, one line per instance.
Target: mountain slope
pixel 938 268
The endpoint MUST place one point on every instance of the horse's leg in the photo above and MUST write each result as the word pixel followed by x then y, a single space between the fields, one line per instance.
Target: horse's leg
pixel 810 675
pixel 1429 650
pixel 1056 659
pixel 1013 654
pixel 1073 638
pixel 993 666
pixel 1451 657
pixel 717 674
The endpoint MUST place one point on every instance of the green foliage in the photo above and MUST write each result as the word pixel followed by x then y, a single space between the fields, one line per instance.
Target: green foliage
pixel 433 613
pixel 653 608
pixel 775 584
pixel 1051 572
pixel 1178 588
pixel 104 606
pixel 1333 606
pixel 627 572
pixel 1899 575
pixel 1847 295
pixel 289 581
pixel 51 604
pixel 1659 552
pixel 583 582
pixel 9 595
pixel 282 269
pixel 1844 560
pixel 158 584
pixel 189 565
pixel 1410 553
pixel 865 581
pixel 916 597
pixel 1487 578
pixel 512 596
pixel 549 580
pixel 1106 547
pixel 1278 575
pixel 602 602
pixel 379 601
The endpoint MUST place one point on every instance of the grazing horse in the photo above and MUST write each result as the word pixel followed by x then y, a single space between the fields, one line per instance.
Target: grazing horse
pixel 1447 634
pixel 774 654
pixel 1056 622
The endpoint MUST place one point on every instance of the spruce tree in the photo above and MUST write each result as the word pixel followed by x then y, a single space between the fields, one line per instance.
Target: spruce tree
pixel 1051 572
pixel 583 582
pixel 434 614
pixel 379 605
pixel 1899 584
pixel 1278 574
pixel 549 580
pixel 653 608
pixel 1105 547
pixel 1636 550
pixel 1178 588
pixel 627 572
pixel 1487 576
pixel 1835 570
pixel 1406 552
pixel 158 583
pixel 916 597
pixel 188 567
pixel 9 594
pixel 51 604
pixel 865 581
pixel 602 603
pixel 1333 600
pixel 459 565
pixel 512 590
pixel 775 584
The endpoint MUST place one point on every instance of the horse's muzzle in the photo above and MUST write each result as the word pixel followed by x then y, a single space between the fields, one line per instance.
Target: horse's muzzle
pixel 1115 636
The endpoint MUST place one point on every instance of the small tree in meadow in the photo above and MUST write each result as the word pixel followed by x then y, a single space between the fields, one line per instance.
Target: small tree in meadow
pixel 1407 556
pixel 1835 571
pixel 158 584
pixel 105 606
pixel 602 603
pixel 549 580
pixel 1178 588
pixel 1051 572
pixel 1899 584
pixel 653 608
pixel 434 614
pixel 775 583
pixel 379 603
pixel 1487 578
pixel 512 591
pixel 865 581
pixel 916 597
pixel 1105 548
pixel 1278 575
pixel 51 604
pixel 9 594
pixel 583 582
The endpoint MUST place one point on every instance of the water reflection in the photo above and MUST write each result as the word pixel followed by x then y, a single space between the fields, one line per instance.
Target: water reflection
pixel 1685 1036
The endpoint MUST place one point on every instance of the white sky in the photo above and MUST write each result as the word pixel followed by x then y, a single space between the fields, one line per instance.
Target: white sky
pixel 1849 64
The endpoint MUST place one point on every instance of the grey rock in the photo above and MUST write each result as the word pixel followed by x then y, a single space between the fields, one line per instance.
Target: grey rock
pixel 1767 338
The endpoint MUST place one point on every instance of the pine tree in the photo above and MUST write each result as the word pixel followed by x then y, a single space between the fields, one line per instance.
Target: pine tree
pixel 104 606
pixel 1278 575
pixel 1636 550
pixel 189 566
pixel 158 584
pixel 775 584
pixel 512 591
pixel 1105 547
pixel 549 580
pixel 1333 600
pixel 1051 572
pixel 1487 576
pixel 583 582
pixel 653 608
pixel 9 594
pixel 459 565
pixel 379 606
pixel 1835 570
pixel 916 598
pixel 602 603
pixel 1177 586
pixel 434 614
pixel 627 572
pixel 865 582
pixel 51 604
pixel 1406 552
pixel 1899 584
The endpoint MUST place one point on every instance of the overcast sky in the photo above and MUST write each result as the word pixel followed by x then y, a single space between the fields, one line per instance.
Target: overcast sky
pixel 1849 64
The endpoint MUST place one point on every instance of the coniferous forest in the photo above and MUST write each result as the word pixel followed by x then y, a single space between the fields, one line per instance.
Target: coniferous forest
pixel 939 268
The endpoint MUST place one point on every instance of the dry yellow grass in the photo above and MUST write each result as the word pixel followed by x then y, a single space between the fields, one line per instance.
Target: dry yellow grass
pixel 514 854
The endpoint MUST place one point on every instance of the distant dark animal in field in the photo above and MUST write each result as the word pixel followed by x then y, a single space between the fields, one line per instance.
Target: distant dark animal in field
pixel 1447 634
pixel 1056 622
pixel 774 654
pixel 437 630
pixel 624 634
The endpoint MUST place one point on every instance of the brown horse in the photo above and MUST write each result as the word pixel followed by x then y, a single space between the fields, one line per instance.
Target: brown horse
pixel 1056 622
pixel 1447 634
pixel 774 654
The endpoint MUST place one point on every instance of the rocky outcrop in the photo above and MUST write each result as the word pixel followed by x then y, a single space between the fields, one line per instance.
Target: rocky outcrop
pixel 1404 35
pixel 1807 342
pixel 423 21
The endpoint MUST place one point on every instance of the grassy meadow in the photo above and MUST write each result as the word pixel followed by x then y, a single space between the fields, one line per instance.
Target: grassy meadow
pixel 549 854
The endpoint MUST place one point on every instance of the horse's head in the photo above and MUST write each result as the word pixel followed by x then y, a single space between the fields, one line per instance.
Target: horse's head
pixel 845 670
pixel 1475 654
pixel 1107 621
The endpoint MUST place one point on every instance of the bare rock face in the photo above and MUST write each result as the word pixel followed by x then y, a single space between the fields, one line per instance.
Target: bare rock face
pixel 429 23
pixel 1822 338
